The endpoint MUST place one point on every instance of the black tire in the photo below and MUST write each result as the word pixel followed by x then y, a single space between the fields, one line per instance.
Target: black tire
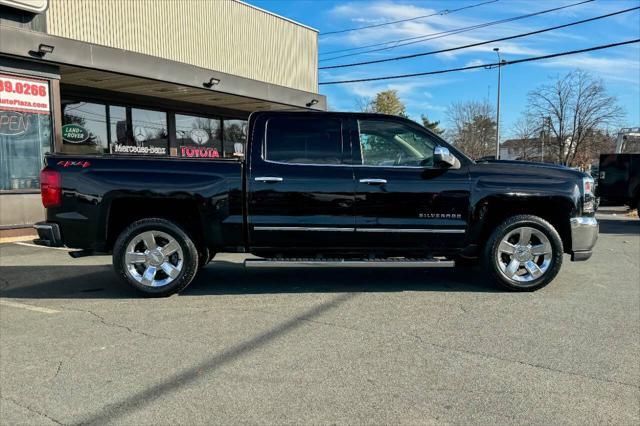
pixel 508 226
pixel 189 252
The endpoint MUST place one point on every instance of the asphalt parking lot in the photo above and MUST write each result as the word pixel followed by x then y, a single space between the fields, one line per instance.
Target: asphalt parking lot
pixel 294 346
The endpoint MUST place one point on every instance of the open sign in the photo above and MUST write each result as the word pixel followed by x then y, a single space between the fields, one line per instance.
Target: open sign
pixel 13 123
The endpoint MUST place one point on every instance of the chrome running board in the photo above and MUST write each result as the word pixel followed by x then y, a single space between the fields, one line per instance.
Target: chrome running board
pixel 348 263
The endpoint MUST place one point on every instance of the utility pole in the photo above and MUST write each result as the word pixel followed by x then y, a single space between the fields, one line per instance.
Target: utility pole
pixel 500 62
pixel 546 129
pixel 544 135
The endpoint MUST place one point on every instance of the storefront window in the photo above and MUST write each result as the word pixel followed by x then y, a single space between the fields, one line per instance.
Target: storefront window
pixel 25 131
pixel 198 137
pixel 99 127
pixel 24 139
pixel 235 138
pixel 84 128
pixel 118 125
pixel 148 134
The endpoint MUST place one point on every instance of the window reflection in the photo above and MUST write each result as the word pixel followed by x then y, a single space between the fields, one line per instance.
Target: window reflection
pixel 118 125
pixel 148 133
pixel 235 138
pixel 96 128
pixel 198 137
pixel 84 129
pixel 24 138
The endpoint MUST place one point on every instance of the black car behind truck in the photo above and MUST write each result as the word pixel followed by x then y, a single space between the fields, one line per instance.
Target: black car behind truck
pixel 320 190
pixel 619 180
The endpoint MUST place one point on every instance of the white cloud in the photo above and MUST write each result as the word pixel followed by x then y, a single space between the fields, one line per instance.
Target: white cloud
pixel 406 87
pixel 431 25
pixel 413 92
pixel 623 70
pixel 476 62
pixel 613 66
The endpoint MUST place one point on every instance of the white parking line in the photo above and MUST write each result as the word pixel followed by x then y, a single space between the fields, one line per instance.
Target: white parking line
pixel 20 243
pixel 28 307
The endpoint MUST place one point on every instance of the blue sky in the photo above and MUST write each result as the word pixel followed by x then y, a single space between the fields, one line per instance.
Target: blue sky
pixel 619 67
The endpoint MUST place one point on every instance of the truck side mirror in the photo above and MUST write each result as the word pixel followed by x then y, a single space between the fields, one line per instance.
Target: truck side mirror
pixel 442 157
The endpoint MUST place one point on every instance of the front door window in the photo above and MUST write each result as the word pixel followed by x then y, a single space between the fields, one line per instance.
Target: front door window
pixel 388 143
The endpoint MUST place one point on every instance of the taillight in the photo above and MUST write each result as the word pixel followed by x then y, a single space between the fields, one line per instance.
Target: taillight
pixel 51 188
pixel 588 185
pixel 588 197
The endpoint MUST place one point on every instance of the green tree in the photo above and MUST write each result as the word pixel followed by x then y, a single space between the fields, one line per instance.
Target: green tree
pixel 388 102
pixel 473 128
pixel 431 125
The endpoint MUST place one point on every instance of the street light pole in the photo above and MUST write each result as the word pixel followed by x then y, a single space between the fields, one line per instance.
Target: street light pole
pixel 497 50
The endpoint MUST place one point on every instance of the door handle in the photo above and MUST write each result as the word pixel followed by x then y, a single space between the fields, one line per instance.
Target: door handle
pixel 268 179
pixel 373 181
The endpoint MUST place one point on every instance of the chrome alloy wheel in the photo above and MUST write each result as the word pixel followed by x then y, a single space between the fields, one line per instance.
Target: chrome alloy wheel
pixel 154 258
pixel 524 255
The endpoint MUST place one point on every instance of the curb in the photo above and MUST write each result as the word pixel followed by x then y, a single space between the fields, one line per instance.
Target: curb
pixel 17 239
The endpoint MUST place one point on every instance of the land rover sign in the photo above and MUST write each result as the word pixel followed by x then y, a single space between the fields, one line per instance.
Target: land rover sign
pixel 74 133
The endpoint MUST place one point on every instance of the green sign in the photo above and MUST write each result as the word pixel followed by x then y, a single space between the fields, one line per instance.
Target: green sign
pixel 74 133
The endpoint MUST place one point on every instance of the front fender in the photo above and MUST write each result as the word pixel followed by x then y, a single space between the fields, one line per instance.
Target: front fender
pixel 493 202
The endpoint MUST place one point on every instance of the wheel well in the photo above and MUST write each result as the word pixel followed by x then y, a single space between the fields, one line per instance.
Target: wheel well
pixel 557 212
pixel 125 211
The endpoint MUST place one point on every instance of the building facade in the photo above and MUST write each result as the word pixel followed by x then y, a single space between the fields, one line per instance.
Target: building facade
pixel 173 78
pixel 524 149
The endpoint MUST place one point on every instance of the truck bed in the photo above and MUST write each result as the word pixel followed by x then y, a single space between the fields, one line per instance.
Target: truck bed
pixel 99 192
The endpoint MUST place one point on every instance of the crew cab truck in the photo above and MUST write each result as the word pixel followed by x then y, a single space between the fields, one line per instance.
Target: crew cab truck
pixel 320 190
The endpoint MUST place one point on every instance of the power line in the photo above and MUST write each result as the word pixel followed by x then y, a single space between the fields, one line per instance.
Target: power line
pixel 471 67
pixel 446 33
pixel 442 12
pixel 415 55
pixel 441 34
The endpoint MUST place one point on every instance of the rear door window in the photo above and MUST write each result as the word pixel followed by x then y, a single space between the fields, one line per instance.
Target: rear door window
pixel 306 140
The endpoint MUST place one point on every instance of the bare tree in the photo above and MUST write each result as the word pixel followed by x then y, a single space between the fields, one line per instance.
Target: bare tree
pixel 529 134
pixel 599 141
pixel 364 104
pixel 577 106
pixel 472 127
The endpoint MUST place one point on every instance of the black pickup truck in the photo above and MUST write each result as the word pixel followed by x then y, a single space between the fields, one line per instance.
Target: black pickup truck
pixel 320 190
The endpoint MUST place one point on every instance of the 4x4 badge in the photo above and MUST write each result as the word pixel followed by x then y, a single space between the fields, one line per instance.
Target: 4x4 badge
pixel 65 164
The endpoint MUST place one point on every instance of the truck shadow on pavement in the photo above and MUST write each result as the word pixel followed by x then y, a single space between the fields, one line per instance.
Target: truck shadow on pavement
pixel 67 280
pixel 619 226
pixel 221 277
